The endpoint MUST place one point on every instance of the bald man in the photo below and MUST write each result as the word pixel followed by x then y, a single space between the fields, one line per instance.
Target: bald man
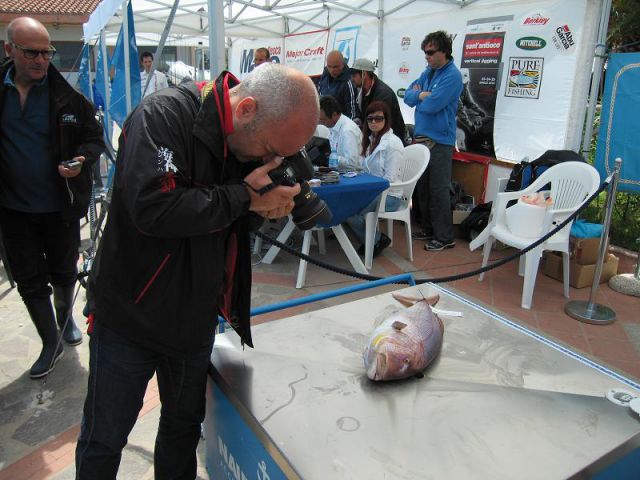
pixel 189 187
pixel 43 122
pixel 336 81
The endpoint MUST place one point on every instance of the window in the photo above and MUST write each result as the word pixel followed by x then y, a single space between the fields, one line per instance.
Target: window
pixel 67 58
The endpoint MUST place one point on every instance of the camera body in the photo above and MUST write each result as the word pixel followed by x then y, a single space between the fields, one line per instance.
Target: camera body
pixel 309 209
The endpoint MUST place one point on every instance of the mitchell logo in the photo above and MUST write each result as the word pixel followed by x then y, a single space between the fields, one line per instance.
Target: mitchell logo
pixel 531 43
pixel 536 20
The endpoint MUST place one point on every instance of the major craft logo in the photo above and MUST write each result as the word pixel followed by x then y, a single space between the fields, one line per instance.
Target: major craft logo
pixel 403 70
pixel 525 77
pixel 405 42
pixel 535 20
pixel 563 38
pixel 531 43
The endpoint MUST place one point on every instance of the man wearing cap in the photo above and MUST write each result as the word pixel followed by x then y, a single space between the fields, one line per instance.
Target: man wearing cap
pixel 336 81
pixel 373 89
pixel 435 97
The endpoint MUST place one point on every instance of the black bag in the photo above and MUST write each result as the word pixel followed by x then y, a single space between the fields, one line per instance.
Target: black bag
pixel 525 173
pixel 476 221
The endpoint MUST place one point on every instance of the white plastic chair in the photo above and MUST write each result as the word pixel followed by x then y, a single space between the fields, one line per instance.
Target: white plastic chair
pixel 414 162
pixel 571 183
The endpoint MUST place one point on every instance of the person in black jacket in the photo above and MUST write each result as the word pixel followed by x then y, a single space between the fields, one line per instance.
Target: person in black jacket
pixel 336 81
pixel 43 122
pixel 189 187
pixel 372 89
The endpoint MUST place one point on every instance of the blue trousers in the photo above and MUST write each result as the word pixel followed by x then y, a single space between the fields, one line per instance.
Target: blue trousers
pixel 119 373
pixel 358 222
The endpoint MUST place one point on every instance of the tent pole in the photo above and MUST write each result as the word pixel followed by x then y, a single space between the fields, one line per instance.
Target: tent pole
pixel 600 54
pixel 216 38
pixel 107 83
pixel 127 64
pixel 380 37
pixel 163 39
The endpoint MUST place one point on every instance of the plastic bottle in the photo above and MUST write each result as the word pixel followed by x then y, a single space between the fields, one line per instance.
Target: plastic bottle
pixel 333 161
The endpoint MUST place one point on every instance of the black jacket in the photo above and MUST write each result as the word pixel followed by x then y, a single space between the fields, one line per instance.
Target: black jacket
pixel 73 131
pixel 175 249
pixel 383 93
pixel 342 89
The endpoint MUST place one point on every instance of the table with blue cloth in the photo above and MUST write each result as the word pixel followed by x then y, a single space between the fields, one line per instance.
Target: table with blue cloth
pixel 345 198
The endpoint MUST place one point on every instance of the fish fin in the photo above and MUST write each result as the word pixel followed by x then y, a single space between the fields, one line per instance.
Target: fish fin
pixel 398 325
pixel 409 301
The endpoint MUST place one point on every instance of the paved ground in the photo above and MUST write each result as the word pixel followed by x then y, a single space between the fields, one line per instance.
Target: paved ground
pixel 39 421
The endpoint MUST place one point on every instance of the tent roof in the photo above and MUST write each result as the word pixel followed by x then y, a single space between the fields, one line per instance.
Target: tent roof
pixel 249 18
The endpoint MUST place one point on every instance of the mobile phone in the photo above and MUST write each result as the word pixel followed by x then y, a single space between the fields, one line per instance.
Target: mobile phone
pixel 71 164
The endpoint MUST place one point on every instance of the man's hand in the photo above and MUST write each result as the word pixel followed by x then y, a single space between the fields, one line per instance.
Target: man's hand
pixel 71 172
pixel 277 202
pixel 424 95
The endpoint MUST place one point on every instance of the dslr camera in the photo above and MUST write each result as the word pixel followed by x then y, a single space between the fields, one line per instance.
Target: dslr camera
pixel 309 209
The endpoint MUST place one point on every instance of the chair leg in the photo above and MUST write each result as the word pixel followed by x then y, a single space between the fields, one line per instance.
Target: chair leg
pixel 302 268
pixel 522 263
pixel 486 253
pixel 390 230
pixel 565 273
pixel 371 220
pixel 532 261
pixel 407 232
pixel 322 244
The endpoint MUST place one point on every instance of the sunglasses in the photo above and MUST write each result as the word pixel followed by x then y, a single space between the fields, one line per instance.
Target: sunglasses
pixel 429 53
pixel 30 53
pixel 375 118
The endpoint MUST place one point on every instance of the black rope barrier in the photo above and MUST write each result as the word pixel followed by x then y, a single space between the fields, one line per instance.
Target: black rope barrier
pixel 449 278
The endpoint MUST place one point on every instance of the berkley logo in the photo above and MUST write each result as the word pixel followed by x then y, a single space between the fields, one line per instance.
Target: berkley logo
pixel 536 20
pixel 531 43
pixel 403 70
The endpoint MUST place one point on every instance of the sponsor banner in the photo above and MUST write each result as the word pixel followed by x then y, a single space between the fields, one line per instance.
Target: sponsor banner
pixel 524 77
pixel 306 51
pixel 345 40
pixel 480 65
pixel 242 50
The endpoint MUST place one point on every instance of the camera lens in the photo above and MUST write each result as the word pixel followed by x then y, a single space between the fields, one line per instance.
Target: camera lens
pixel 309 209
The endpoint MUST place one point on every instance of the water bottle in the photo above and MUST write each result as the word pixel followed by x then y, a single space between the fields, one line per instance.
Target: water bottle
pixel 333 161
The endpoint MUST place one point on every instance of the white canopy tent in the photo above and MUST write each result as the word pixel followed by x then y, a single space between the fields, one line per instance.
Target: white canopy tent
pixel 263 21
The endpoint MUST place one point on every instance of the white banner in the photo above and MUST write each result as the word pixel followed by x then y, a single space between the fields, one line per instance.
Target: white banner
pixel 242 50
pixel 306 51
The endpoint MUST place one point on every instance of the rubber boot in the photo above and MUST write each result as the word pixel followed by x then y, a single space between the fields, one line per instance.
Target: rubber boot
pixel 63 301
pixel 44 319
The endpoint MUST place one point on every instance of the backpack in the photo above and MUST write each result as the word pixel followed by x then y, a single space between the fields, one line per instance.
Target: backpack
pixel 476 221
pixel 525 173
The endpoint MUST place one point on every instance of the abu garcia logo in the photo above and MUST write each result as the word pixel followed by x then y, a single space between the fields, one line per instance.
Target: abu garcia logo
pixel 531 43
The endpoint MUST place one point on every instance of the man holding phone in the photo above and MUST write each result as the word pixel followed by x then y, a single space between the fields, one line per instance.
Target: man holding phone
pixel 47 134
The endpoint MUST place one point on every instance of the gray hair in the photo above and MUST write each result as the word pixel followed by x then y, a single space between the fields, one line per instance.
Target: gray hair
pixel 277 92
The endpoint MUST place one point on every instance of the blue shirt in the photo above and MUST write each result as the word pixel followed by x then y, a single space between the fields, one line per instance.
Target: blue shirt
pixel 33 183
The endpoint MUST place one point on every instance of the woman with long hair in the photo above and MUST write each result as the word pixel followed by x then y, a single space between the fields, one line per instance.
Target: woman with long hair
pixel 382 151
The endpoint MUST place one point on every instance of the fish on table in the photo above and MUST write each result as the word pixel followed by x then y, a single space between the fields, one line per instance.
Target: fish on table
pixel 406 343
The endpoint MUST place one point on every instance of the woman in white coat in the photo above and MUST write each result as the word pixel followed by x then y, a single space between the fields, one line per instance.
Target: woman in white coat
pixel 382 151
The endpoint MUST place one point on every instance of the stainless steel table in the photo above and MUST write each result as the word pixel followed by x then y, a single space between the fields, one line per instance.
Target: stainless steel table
pixel 500 402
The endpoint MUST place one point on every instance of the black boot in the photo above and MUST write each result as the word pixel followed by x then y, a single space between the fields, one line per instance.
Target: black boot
pixel 63 301
pixel 43 318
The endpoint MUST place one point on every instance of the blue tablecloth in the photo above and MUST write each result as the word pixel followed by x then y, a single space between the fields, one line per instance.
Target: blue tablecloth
pixel 350 195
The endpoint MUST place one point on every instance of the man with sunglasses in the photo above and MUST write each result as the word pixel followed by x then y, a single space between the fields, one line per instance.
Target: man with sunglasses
pixel 43 122
pixel 435 97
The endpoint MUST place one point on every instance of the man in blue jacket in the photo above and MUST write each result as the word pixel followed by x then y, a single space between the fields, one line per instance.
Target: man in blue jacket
pixel 336 81
pixel 435 97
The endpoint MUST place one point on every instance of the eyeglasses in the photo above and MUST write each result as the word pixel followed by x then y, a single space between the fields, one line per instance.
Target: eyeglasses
pixel 429 53
pixel 31 54
pixel 375 118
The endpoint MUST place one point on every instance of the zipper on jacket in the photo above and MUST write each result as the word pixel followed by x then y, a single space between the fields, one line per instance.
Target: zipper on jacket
pixel 152 279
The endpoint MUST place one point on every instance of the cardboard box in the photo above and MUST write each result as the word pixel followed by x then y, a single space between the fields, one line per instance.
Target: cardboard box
pixel 584 251
pixel 580 276
pixel 459 216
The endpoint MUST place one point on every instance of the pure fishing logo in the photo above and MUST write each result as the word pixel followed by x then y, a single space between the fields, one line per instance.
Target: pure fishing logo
pixel 525 77
pixel 531 43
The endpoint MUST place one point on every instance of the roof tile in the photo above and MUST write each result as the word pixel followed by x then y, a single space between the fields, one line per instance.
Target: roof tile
pixel 49 7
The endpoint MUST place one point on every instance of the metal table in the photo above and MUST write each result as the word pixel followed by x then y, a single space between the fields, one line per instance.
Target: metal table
pixel 500 402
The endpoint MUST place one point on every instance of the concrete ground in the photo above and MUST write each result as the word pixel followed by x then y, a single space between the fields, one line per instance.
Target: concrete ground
pixel 39 420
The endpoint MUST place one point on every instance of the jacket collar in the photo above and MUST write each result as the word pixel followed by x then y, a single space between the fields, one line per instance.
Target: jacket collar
pixel 59 88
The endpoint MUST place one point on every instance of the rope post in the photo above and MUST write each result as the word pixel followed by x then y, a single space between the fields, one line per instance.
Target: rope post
pixel 588 311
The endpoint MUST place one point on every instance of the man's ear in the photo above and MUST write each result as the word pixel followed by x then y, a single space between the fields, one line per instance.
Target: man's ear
pixel 246 110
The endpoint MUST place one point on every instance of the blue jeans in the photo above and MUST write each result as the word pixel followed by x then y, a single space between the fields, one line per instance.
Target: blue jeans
pixel 433 197
pixel 118 377
pixel 358 223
